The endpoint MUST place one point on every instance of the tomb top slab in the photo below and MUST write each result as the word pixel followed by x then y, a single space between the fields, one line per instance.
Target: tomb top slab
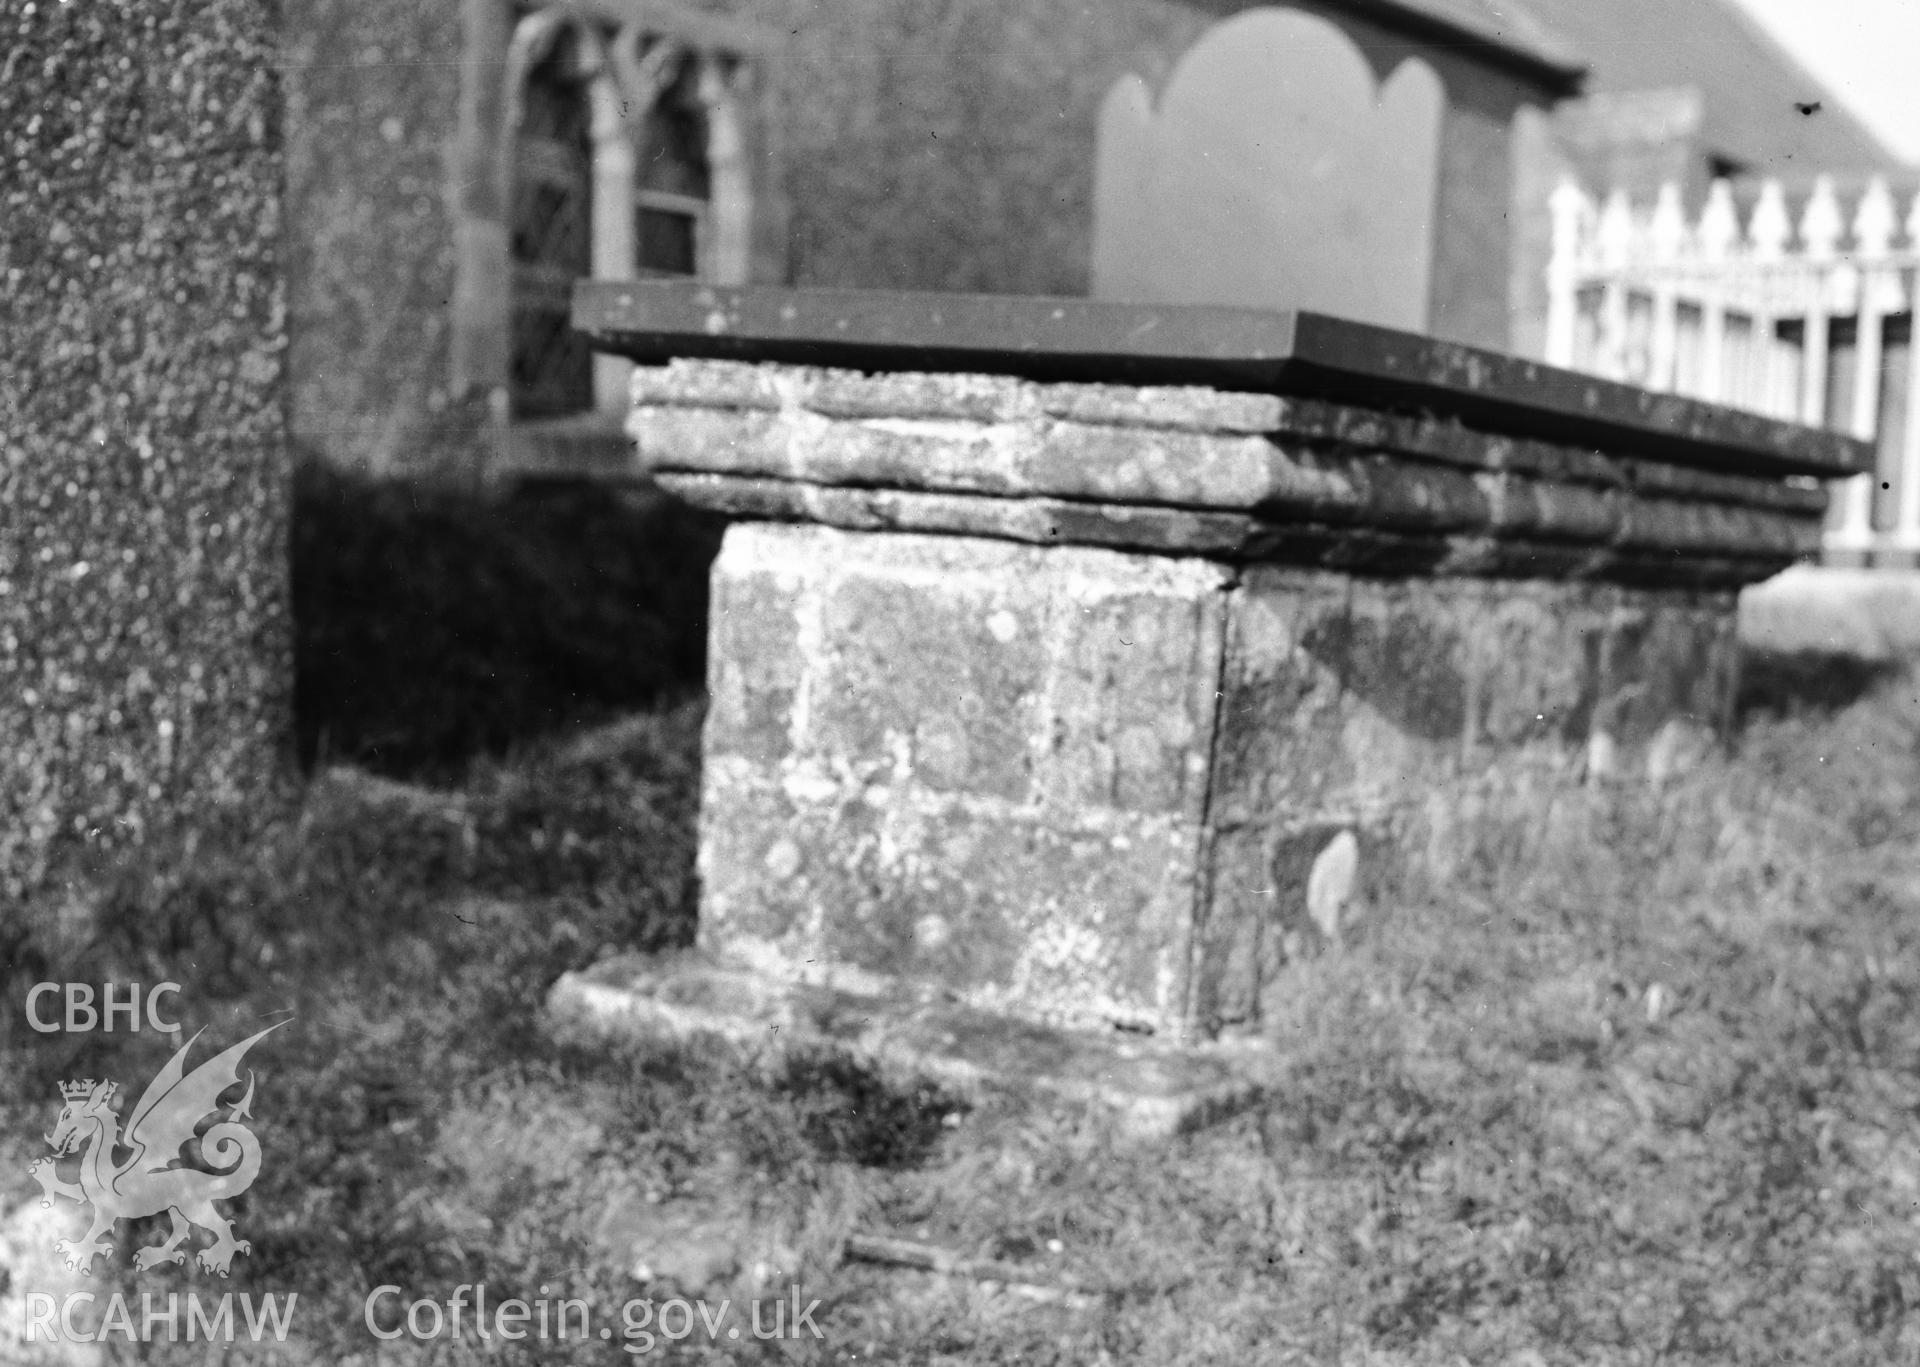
pixel 1248 350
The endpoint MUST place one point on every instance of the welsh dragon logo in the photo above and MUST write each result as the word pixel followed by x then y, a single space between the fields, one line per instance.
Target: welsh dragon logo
pixel 147 1181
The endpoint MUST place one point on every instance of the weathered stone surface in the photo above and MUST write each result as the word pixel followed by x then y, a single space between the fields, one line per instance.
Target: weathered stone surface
pixel 1449 440
pixel 1039 456
pixel 754 665
pixel 1351 706
pixel 1337 703
pixel 1133 698
pixel 1283 687
pixel 723 384
pixel 1085 920
pixel 1155 1088
pixel 1001 399
pixel 1178 471
pixel 1524 508
pixel 1405 694
pixel 1667 659
pixel 1188 408
pixel 1261 912
pixel 1720 487
pixel 1728 546
pixel 1036 521
pixel 1692 527
pixel 974 397
pixel 1035 456
pixel 954 657
pixel 964 761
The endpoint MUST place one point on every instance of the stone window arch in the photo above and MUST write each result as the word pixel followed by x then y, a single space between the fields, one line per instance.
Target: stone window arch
pixel 620 151
pixel 691 184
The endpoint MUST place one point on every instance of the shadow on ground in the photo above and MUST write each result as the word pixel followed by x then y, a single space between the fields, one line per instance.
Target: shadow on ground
pixel 1777 683
pixel 434 626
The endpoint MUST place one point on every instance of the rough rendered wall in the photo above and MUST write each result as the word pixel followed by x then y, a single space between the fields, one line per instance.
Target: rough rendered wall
pixel 373 94
pixel 956 148
pixel 948 144
pixel 144 661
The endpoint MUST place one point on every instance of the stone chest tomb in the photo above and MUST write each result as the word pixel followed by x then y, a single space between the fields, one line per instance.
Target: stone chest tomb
pixel 1081 663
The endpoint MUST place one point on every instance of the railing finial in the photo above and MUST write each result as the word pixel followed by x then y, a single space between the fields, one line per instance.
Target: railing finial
pixel 1615 235
pixel 1667 231
pixel 1719 223
pixel 1770 229
pixel 1821 225
pixel 1875 222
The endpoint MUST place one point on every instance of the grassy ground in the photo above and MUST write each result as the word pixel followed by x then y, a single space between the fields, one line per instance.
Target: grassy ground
pixel 1641 1088
pixel 1642 1085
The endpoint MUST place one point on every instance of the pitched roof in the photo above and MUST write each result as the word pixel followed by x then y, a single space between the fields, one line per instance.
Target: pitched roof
pixel 1503 33
pixel 1750 84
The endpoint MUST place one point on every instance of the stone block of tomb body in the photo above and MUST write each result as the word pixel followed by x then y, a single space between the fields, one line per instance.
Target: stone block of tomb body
pixel 1080 660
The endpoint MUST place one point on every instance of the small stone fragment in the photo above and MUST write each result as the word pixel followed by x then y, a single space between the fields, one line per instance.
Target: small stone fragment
pixel 1330 884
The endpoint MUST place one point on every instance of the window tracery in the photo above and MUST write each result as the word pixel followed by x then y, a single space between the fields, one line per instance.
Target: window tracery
pixel 623 157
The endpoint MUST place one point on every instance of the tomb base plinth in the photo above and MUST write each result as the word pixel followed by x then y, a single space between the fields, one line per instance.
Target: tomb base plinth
pixel 1150 1088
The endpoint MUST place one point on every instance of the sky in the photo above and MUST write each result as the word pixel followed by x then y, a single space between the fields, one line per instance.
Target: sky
pixel 1866 51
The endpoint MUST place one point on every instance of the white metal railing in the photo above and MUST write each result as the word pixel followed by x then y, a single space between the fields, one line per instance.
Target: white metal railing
pixel 1802 312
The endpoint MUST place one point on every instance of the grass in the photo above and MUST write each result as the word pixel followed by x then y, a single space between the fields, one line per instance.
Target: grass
pixel 1640 1084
